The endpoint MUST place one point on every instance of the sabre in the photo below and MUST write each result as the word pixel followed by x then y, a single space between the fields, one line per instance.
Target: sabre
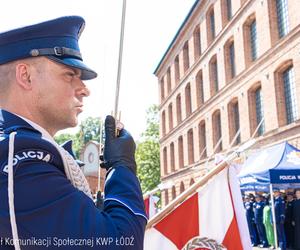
pixel 116 112
pixel 119 126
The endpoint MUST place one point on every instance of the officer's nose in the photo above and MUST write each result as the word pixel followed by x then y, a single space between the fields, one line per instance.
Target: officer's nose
pixel 82 90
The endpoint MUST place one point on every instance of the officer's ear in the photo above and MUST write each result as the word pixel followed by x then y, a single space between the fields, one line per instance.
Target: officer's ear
pixel 23 75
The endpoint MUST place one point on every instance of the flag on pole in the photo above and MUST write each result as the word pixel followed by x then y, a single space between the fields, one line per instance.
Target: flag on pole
pixel 151 205
pixel 212 218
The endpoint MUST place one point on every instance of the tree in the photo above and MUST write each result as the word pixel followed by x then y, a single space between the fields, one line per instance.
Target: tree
pixel 89 129
pixel 147 153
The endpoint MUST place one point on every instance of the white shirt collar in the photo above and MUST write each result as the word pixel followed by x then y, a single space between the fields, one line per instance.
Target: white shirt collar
pixel 43 131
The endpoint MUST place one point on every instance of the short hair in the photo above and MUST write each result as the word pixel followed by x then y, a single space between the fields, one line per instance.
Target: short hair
pixel 7 72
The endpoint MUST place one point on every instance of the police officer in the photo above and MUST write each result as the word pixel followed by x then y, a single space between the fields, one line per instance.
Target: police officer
pixel 258 217
pixel 296 219
pixel 279 207
pixel 250 219
pixel 45 199
pixel 288 226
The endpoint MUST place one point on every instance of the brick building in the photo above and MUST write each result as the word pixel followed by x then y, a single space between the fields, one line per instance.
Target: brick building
pixel 232 65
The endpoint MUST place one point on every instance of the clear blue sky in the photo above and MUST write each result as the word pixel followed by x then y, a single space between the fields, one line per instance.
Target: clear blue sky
pixel 150 27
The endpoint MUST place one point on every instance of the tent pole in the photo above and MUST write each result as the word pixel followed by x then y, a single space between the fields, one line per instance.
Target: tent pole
pixel 273 216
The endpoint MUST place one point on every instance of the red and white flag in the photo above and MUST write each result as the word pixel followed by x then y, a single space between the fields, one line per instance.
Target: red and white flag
pixel 212 218
pixel 151 205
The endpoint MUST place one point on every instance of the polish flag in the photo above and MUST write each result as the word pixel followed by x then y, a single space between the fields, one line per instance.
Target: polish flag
pixel 212 218
pixel 151 205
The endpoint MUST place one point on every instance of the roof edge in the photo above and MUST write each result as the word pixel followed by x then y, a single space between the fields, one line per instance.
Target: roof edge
pixel 176 35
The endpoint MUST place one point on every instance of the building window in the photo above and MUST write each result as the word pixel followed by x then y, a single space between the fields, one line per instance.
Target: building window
pixel 211 31
pixel 234 121
pixel 166 197
pixel 162 90
pixel 190 146
pixel 212 24
pixel 188 101
pixel 232 59
pixel 186 63
pixel 165 159
pixel 259 111
pixel 199 88
pixel 197 42
pixel 217 131
pixel 173 193
pixel 229 56
pixel 250 40
pixel 226 11
pixel 286 94
pixel 256 112
pixel 180 152
pixel 178 109
pixel 192 182
pixel 214 80
pixel 202 140
pixel 177 75
pixel 229 9
pixel 172 157
pixel 163 117
pixel 282 17
pixel 170 111
pixel 253 40
pixel 169 80
pixel 290 95
pixel 182 187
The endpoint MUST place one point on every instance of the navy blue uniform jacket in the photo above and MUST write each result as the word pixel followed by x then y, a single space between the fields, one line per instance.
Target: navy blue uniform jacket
pixel 49 208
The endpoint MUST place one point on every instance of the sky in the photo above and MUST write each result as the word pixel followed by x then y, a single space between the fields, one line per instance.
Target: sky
pixel 149 29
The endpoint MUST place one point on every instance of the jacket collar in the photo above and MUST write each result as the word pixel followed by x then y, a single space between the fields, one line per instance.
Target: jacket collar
pixel 10 122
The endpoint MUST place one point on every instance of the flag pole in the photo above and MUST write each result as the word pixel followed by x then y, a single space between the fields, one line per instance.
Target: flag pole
pixel 192 189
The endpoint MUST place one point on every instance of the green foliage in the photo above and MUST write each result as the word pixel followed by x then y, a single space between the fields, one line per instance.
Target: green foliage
pixel 89 129
pixel 147 153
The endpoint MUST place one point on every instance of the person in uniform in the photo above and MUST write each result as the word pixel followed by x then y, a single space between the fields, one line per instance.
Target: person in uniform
pixel 288 226
pixel 45 199
pixel 296 219
pixel 250 220
pixel 279 207
pixel 267 220
pixel 258 217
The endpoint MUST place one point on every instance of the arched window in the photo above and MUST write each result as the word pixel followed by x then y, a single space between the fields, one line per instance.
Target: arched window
pixel 191 147
pixel 202 140
pixel 213 73
pixel 186 60
pixel 285 86
pixel 182 187
pixel 217 131
pixel 178 109
pixel 234 121
pixel 188 101
pixel 173 192
pixel 199 88
pixel 172 157
pixel 165 160
pixel 256 109
pixel 180 152
pixel 163 123
pixel 192 182
pixel 170 111
pixel 197 42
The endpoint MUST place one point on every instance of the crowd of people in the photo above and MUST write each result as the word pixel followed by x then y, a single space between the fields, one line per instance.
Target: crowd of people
pixel 258 209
